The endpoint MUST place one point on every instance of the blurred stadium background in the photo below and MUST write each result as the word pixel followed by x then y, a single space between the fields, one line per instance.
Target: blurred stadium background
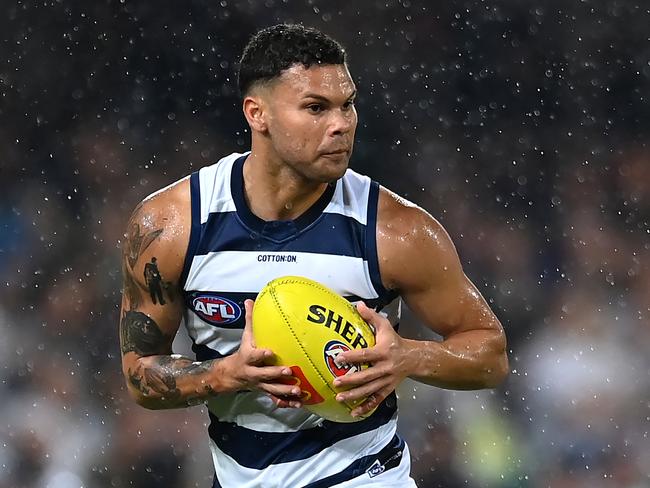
pixel 521 125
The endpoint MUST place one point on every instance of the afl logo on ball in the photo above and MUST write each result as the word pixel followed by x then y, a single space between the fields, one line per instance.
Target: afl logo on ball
pixel 216 310
pixel 332 350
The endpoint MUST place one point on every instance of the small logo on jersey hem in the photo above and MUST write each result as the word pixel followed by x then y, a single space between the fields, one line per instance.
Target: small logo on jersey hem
pixel 216 310
pixel 375 469
pixel 378 467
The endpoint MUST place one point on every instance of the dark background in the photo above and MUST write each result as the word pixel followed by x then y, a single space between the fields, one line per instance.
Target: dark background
pixel 521 125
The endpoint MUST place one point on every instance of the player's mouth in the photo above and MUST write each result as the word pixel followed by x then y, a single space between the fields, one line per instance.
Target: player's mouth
pixel 336 152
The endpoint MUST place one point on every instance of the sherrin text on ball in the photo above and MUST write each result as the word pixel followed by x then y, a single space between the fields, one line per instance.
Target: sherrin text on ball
pixel 307 326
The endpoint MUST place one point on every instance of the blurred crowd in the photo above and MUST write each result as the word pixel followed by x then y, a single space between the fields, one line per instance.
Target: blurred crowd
pixel 521 126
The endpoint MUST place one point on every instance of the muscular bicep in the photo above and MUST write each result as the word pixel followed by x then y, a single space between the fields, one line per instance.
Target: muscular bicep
pixel 151 267
pixel 449 305
pixel 423 265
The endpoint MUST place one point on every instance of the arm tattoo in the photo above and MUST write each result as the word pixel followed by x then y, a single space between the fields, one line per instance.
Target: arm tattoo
pixel 136 242
pixel 140 333
pixel 159 379
pixel 136 380
pixel 155 283
pixel 131 288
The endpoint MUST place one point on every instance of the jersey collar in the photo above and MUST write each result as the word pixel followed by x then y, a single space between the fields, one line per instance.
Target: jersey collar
pixel 276 230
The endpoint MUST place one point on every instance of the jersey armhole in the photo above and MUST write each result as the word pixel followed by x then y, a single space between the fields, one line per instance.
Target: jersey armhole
pixel 385 295
pixel 195 229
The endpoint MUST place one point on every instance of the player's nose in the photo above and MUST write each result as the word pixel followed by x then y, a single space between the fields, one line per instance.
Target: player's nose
pixel 343 121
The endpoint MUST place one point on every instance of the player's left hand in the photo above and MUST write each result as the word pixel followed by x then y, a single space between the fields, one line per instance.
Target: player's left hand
pixel 390 360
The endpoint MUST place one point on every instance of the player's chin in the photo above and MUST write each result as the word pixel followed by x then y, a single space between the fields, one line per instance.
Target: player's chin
pixel 333 166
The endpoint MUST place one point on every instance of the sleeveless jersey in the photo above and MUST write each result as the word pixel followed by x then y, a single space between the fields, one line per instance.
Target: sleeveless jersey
pixel 232 254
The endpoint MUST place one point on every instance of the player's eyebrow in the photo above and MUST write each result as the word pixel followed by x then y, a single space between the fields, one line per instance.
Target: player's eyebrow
pixel 325 99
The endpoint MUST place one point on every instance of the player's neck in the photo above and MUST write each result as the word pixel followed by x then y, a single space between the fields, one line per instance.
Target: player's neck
pixel 274 191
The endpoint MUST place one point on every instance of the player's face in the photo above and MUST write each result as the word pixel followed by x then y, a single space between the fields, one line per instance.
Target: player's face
pixel 312 120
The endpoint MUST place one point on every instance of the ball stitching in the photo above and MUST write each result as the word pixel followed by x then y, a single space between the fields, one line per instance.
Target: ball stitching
pixel 286 320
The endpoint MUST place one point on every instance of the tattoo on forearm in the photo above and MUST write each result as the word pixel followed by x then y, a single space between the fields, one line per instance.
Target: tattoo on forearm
pixel 140 333
pixel 160 377
pixel 135 378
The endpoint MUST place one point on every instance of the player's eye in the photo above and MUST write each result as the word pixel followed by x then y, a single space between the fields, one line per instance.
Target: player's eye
pixel 347 105
pixel 315 108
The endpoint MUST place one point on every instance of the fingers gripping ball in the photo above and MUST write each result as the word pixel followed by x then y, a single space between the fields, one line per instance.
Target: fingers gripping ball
pixel 307 325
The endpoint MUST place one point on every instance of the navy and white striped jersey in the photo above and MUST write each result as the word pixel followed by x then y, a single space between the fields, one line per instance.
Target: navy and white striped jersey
pixel 232 254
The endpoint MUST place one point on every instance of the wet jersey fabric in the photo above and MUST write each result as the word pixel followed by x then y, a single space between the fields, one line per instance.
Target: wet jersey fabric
pixel 231 255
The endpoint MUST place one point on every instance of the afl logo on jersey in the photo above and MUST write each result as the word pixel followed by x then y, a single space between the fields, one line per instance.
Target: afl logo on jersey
pixel 216 310
pixel 332 350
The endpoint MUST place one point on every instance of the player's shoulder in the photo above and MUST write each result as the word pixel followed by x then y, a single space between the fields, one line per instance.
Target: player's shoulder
pixel 409 238
pixel 161 223
pixel 168 206
pixel 397 215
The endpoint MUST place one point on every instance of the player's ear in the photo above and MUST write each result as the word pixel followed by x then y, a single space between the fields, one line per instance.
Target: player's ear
pixel 255 112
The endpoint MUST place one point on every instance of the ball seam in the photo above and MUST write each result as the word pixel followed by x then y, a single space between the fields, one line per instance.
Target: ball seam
pixel 288 323
pixel 315 284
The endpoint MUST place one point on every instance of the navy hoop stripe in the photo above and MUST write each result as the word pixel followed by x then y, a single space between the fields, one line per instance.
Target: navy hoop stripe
pixel 195 230
pixel 224 232
pixel 283 447
pixel 386 459
pixel 232 249
pixel 371 245
pixel 205 353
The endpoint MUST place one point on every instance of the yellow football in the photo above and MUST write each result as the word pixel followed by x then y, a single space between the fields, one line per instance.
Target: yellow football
pixel 307 325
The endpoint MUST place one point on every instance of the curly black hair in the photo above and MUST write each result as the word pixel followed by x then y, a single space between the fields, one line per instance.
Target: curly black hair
pixel 277 48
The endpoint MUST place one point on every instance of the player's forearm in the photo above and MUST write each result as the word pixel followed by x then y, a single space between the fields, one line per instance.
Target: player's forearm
pixel 465 361
pixel 164 381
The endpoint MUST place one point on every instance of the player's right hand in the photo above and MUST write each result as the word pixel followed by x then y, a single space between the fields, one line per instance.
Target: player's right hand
pixel 248 369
